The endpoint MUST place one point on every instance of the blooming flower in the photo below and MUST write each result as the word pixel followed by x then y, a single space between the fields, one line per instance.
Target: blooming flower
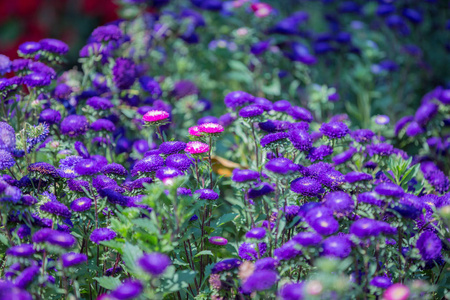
pixel 429 245
pixel 336 246
pixel 196 147
pixel 396 291
pixel 23 250
pixel 155 116
pixel 211 128
pixel 218 240
pixel 102 234
pixel 81 204
pixel 334 130
pixel 154 263
pixel 71 259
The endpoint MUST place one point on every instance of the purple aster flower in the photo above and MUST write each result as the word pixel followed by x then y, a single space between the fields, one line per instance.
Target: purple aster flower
pixel 151 86
pixel 61 239
pixel 281 105
pixel 141 146
pixel 49 116
pixel 23 250
pixel 300 113
pixel 265 104
pixel 244 175
pixel 42 235
pixel 184 88
pixel 6 160
pixel 74 125
pixel 81 204
pixel 62 91
pixel 381 149
pixel 260 280
pixel 38 67
pixel 364 228
pixel 334 130
pixel 5 64
pixel 168 172
pixel 382 119
pixel 237 99
pixel 124 73
pixel 26 277
pixel 56 208
pixel 414 129
pixel 287 251
pixel 103 124
pixel 107 33
pixel 273 137
pixel 352 177
pixel 99 103
pixel 36 80
pixel 114 168
pixel 179 161
pixel 102 234
pixel 382 282
pixel 402 123
pixel 54 46
pixel 43 168
pixel 267 263
pixel 425 113
pixel 363 135
pixel 19 64
pixel 226 265
pixel 182 191
pixel 300 139
pixel 87 167
pixel 260 47
pixel 307 238
pixel 72 259
pixel 325 225
pixel 148 164
pixel 292 291
pixel 429 245
pixel 81 149
pixel 281 165
pixel 173 147
pixel 139 183
pixel 130 289
pixel 437 179
pixel 208 119
pixel 260 190
pixel 78 185
pixel 332 179
pixel 226 119
pixel 218 240
pixel 28 48
pixel 251 111
pixel 154 263
pixel 306 186
pixel 207 194
pixel 339 202
pixel 336 246
pixel 7 137
pixel 389 189
pixel 113 195
pixel 319 153
pixel 256 233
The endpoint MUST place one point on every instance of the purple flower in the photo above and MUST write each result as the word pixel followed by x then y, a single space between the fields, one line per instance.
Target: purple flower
pixel 71 259
pixel 281 165
pixel 154 263
pixel 226 265
pixel 87 167
pixel 62 91
pixel 23 250
pixel 226 119
pixel 334 130
pixel 307 238
pixel 260 47
pixel 292 291
pixel 207 194
pixel 130 289
pixel 260 190
pixel 99 103
pixel 425 113
pixel 331 179
pixel 81 149
pixel 103 124
pixel 81 204
pixel 389 189
pixel 184 88
pixel 260 280
pixel 168 172
pixel 113 195
pixel 182 191
pixel 102 234
pixel 26 277
pixel 78 185
pixel 414 129
pixel 336 246
pixel 139 183
pixel 352 177
pixel 265 104
pixel 42 235
pixel 124 73
pixel 287 251
pixel 319 153
pixel 324 225
pixel 179 161
pixel 364 228
pixel 237 99
pixel 250 251
pixel 306 186
pixel 38 67
pixel 172 147
pixel 402 123
pixel 429 245
pixel 61 239
pixel 7 137
pixel 148 164
pixel 6 160
pixel 381 149
pixel 300 113
pixel 267 263
pixel 244 175
pixel 49 116
pixel 208 119
pixel 56 208
pixel 382 282
pixel 29 48
pixel 281 105
pixel 107 33
pixel 74 125
pixel 256 233
pixel 362 135
pixel 273 137
pixel 339 202
pixel 251 111
pixel 36 80
pixel 218 240
pixel 54 46
pixel 300 139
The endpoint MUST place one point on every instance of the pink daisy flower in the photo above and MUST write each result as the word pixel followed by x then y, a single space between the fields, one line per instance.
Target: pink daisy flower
pixel 155 116
pixel 210 128
pixel 196 147
pixel 195 131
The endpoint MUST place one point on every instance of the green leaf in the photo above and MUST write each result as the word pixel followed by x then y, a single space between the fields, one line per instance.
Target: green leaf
pixel 226 218
pixel 130 254
pixel 113 245
pixel 409 174
pixel 4 239
pixel 389 176
pixel 179 281
pixel 146 224
pixel 204 252
pixel 109 283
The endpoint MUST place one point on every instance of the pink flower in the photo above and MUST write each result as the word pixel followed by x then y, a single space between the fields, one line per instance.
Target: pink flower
pixel 218 240
pixel 195 131
pixel 196 147
pixel 155 116
pixel 210 128
pixel 261 10
pixel 396 291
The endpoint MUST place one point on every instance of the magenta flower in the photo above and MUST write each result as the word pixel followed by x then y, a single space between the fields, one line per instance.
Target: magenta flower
pixel 211 128
pixel 155 116
pixel 196 147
